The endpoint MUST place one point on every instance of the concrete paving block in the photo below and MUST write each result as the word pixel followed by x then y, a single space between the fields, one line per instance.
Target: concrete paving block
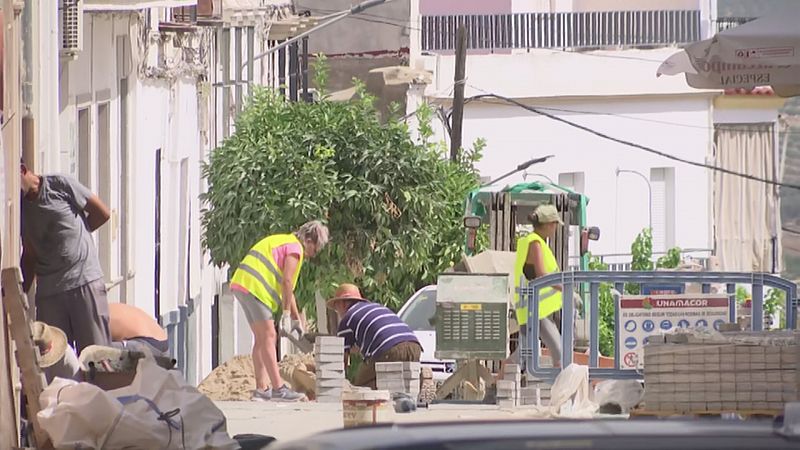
pixel 336 383
pixel 773 376
pixel 711 367
pixel 788 376
pixel 774 396
pixel 776 406
pixel 758 377
pixel 696 378
pixel 698 406
pixel 712 387
pixel 331 366
pixel 327 358
pixel 743 387
pixel 682 397
pixel 330 374
pixel 727 377
pixel 758 396
pixel 389 367
pixel 682 387
pixel 697 358
pixel 697 387
pixel 758 365
pixel 329 340
pixel 728 396
pixel 761 386
pixel 713 396
pixel 681 359
pixel 511 369
pixel 729 406
pixel 743 396
pixel 329 348
pixel 714 406
pixel 329 399
pixel 335 391
pixel 506 404
pixel 727 367
pixel 761 406
pixel 663 406
pixel 727 387
pixel 682 406
pixel 743 377
pixel 412 366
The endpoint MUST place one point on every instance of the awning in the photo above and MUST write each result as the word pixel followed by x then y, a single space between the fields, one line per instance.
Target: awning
pixel 764 52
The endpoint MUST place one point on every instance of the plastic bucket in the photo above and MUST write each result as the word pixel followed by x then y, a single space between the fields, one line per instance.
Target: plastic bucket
pixel 366 407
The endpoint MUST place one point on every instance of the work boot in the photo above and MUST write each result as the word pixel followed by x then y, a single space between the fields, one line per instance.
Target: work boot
pixel 284 394
pixel 261 396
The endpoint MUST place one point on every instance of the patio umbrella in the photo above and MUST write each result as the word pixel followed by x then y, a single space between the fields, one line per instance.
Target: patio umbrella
pixel 763 52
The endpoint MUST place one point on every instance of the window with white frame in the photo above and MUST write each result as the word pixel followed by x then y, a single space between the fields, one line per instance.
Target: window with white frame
pixel 662 181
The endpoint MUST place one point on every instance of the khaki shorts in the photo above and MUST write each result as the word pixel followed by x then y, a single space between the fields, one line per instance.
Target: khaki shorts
pixel 254 309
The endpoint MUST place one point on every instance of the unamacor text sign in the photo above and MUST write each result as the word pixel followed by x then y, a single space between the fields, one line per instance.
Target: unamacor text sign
pixel 643 316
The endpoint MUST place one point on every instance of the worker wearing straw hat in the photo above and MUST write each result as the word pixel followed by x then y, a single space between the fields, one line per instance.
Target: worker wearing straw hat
pixel 377 332
pixel 57 358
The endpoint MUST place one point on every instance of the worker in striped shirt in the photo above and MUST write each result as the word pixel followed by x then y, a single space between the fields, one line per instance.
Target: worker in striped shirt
pixel 375 330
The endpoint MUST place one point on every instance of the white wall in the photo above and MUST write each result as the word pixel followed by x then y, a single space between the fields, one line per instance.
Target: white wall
pixel 619 206
pixel 165 113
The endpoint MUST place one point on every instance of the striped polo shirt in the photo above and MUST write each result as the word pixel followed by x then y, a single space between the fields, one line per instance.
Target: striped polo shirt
pixel 373 328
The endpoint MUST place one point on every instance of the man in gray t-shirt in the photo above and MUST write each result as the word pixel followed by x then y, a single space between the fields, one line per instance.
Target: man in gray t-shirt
pixel 58 216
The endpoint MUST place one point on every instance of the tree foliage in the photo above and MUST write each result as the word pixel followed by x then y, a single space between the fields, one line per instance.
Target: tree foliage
pixel 393 204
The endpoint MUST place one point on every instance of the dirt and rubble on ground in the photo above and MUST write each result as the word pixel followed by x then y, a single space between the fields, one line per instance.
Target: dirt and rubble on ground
pixel 235 379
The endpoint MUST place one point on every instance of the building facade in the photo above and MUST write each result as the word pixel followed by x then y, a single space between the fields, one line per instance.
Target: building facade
pixel 589 68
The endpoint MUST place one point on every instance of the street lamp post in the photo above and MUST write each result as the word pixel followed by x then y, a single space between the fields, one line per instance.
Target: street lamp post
pixel 649 191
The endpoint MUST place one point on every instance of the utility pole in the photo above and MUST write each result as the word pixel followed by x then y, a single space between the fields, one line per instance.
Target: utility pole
pixel 458 92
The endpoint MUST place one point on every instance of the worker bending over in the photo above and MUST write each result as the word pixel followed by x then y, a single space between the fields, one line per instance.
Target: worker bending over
pixel 134 329
pixel 377 332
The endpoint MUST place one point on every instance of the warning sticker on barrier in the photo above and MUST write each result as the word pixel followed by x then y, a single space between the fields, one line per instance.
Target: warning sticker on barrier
pixel 644 316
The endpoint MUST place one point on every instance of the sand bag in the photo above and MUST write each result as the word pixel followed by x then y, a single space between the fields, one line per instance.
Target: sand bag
pixel 158 410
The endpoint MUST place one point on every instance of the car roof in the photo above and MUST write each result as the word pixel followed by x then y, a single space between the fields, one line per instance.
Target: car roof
pixel 409 435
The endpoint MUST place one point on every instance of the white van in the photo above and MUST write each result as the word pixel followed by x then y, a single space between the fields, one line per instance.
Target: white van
pixel 418 313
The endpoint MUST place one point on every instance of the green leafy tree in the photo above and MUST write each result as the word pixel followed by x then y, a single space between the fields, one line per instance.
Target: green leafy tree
pixel 606 307
pixel 394 205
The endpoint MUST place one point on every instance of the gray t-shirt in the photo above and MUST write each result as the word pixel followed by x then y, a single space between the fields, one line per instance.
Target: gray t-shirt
pixel 54 224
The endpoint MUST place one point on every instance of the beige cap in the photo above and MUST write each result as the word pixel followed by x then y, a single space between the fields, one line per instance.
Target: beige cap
pixel 547 214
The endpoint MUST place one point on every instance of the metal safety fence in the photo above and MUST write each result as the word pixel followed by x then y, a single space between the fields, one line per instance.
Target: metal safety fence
pixel 590 282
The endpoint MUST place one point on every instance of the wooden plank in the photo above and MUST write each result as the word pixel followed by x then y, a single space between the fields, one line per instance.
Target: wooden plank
pixel 33 381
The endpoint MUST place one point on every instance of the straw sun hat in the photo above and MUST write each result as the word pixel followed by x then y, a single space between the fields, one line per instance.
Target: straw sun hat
pixel 346 291
pixel 52 343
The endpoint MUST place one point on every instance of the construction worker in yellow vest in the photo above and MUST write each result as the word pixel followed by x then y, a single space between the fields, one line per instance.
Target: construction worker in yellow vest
pixel 263 283
pixel 535 259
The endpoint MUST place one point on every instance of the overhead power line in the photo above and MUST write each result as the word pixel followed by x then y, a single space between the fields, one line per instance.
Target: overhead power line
pixel 633 144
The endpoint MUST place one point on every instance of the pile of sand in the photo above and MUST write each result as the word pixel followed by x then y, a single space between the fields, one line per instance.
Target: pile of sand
pixel 235 380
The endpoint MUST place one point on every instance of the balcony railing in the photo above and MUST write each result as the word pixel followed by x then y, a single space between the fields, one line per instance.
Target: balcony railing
pixel 575 30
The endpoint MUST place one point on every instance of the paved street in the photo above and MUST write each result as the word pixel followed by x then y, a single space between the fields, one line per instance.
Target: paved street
pixel 291 421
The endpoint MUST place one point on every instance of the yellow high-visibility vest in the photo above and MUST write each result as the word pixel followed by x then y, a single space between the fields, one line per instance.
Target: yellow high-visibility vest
pixel 549 298
pixel 259 273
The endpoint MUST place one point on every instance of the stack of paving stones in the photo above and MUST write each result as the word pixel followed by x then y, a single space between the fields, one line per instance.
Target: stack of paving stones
pixel 399 377
pixel 509 388
pixel 329 361
pixel 741 371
